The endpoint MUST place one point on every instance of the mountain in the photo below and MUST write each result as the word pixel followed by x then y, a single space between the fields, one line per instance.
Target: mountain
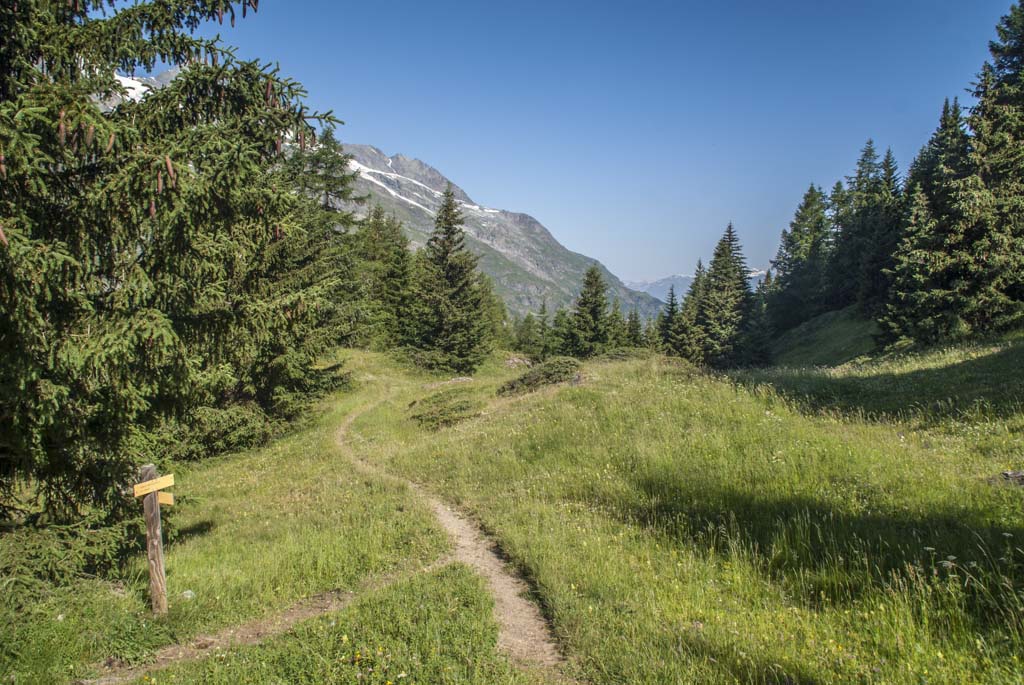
pixel 527 264
pixel 659 288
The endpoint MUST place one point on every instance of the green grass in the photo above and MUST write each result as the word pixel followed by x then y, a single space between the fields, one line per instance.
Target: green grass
pixel 830 339
pixel 823 526
pixel 680 528
pixel 256 532
pixel 431 629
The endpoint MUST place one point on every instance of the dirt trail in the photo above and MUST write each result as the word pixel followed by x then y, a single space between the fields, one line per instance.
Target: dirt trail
pixel 522 631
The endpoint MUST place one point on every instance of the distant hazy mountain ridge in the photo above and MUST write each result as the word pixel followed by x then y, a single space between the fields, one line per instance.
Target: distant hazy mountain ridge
pixel 659 288
pixel 527 264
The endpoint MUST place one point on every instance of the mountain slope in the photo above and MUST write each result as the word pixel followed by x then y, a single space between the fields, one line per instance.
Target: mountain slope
pixel 525 261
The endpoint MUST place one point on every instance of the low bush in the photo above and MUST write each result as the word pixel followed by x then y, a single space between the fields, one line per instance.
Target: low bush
pixel 444 409
pixel 553 371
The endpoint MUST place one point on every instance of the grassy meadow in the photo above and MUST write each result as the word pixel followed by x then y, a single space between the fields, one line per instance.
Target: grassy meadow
pixel 786 526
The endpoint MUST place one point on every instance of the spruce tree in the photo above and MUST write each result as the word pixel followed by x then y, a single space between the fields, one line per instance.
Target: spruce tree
pixel 801 264
pixel 991 259
pixel 691 341
pixel 544 332
pixel 667 317
pixel 883 236
pixel 383 270
pixel 134 238
pixel 922 303
pixel 634 329
pixel 616 325
pixel 450 317
pixel 857 210
pixel 589 331
pixel 527 338
pixel 722 318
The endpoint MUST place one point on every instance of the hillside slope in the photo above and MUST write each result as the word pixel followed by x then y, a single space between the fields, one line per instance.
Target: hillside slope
pixel 528 265
pixel 830 339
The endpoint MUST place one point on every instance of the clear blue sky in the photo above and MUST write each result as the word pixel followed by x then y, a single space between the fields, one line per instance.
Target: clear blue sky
pixel 634 131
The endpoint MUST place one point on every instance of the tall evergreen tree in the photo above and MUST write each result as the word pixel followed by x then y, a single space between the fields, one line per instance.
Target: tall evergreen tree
pixel 589 333
pixel 134 239
pixel 856 211
pixel 991 260
pixel 384 264
pixel 450 312
pixel 616 325
pixel 883 234
pixel 547 347
pixel 922 303
pixel 634 329
pixel 689 321
pixel 726 303
pixel 667 317
pixel 801 265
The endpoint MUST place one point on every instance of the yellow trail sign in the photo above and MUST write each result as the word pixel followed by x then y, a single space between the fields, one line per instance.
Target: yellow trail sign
pixel 165 498
pixel 154 485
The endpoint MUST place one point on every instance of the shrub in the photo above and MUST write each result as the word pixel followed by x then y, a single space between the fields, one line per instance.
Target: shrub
pixel 554 370
pixel 444 409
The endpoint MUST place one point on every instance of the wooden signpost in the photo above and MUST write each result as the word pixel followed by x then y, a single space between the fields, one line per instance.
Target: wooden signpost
pixel 150 489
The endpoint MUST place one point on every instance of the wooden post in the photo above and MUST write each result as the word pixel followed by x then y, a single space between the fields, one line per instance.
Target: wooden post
pixel 154 543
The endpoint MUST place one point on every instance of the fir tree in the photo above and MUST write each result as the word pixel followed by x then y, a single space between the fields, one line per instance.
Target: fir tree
pixel 450 314
pixel 856 211
pixel 722 316
pixel 883 235
pixel 634 329
pixel 135 240
pixel 384 264
pixel 922 303
pixel 667 317
pixel 527 338
pixel 691 342
pixel 991 260
pixel 589 332
pixel 616 325
pixel 799 291
pixel 544 332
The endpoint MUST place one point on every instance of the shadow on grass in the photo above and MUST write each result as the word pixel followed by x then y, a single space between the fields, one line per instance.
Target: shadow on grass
pixel 194 530
pixel 826 556
pixel 989 385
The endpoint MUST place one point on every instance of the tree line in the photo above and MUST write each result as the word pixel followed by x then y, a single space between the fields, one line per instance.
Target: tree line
pixel 720 322
pixel 937 255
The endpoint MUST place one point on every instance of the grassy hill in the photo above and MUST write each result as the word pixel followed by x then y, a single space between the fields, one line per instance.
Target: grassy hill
pixel 830 339
pixel 791 526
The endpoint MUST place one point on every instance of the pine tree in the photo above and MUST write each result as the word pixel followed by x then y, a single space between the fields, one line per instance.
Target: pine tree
pixel 922 303
pixel 691 342
pixel 589 333
pixel 450 316
pixel 667 318
pixel 856 211
pixel 527 339
pixel 562 333
pixel 134 239
pixel 547 348
pixel 991 260
pixel 722 318
pixel 383 269
pixel 616 325
pixel 799 291
pixel 885 233
pixel 634 329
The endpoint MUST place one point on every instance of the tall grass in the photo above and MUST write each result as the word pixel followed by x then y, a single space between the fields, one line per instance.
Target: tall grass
pixel 682 528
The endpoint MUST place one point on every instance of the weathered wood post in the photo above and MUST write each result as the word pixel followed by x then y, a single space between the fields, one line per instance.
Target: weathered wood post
pixel 149 490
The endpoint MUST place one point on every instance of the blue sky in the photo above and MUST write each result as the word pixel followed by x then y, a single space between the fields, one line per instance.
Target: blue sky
pixel 634 131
